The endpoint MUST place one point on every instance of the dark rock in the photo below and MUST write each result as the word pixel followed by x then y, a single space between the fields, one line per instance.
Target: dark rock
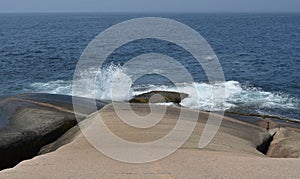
pixel 159 97
pixel 61 141
pixel 265 145
pixel 32 121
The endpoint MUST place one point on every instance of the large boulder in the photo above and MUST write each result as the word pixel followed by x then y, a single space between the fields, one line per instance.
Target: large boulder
pixel 31 121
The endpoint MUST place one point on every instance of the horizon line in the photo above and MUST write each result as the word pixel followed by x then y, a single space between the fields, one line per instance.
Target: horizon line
pixel 153 12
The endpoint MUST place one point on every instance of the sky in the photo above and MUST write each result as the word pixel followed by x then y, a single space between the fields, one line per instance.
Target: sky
pixel 192 6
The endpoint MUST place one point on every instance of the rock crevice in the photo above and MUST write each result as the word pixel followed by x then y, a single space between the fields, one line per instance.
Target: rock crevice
pixel 282 143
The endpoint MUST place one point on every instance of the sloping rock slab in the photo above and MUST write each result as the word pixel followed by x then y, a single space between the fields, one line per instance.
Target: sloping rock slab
pixel 31 121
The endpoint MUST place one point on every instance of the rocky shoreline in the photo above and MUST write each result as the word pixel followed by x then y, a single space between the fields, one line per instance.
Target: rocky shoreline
pixel 41 123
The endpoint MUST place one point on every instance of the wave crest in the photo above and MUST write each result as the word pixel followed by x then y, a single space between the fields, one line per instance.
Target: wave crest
pixel 114 84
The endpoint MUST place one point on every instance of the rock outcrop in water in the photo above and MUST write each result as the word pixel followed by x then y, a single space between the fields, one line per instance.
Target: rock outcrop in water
pixel 33 121
pixel 159 97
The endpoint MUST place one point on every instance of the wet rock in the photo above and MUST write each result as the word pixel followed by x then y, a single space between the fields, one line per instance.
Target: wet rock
pixel 159 97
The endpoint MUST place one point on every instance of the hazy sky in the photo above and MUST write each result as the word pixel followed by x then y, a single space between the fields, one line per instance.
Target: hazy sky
pixel 150 6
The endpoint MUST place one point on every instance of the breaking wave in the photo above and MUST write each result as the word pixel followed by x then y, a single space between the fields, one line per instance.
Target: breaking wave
pixel 114 84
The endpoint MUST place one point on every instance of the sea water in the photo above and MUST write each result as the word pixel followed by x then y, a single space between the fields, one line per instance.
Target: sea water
pixel 259 54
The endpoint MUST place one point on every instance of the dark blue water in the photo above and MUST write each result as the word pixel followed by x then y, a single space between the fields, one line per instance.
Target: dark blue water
pixel 259 53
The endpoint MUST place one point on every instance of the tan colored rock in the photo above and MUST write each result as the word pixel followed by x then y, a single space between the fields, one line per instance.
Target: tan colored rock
pixel 231 154
pixel 285 144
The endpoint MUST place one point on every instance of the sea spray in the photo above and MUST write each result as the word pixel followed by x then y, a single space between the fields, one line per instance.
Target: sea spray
pixel 113 83
pixel 236 95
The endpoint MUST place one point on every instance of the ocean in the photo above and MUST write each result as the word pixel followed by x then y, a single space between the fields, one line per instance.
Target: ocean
pixel 259 54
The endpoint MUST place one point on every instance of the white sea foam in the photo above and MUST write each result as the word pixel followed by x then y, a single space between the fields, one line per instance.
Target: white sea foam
pixel 236 96
pixel 114 84
pixel 53 87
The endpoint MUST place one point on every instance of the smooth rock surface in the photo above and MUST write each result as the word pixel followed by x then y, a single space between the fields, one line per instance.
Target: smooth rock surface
pixel 231 154
pixel 285 144
pixel 32 121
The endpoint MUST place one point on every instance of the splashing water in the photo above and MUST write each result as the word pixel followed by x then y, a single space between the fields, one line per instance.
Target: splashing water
pixel 235 94
pixel 112 83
